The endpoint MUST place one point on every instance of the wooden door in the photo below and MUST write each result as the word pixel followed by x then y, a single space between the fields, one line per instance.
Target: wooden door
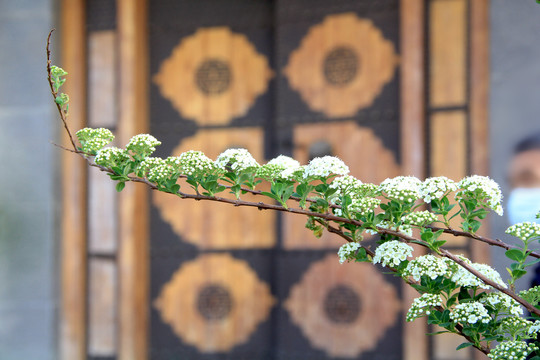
pixel 355 79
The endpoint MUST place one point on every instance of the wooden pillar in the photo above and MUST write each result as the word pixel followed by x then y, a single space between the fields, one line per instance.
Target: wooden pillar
pixel 415 343
pixel 133 205
pixel 72 317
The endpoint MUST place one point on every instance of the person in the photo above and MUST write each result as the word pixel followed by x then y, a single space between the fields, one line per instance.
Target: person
pixel 524 177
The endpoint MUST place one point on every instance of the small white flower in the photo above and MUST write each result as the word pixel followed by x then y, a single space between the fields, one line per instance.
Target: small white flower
pixel 237 159
pixel 421 306
pixel 93 140
pixel 143 144
pixel 512 350
pixel 401 188
pixel 426 265
pixel 436 188
pixel 420 218
pixel 483 189
pixel 195 163
pixel 347 251
pixel 111 157
pixel 470 313
pixel 324 167
pixel 276 168
pixel 462 277
pixel 392 253
pixel 502 302
pixel 525 230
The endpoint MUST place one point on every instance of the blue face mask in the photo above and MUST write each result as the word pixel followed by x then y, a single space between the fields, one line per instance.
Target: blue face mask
pixel 523 205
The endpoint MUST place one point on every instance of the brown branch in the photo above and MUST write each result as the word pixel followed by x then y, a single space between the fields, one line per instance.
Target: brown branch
pixel 55 93
pixel 492 242
pixel 469 268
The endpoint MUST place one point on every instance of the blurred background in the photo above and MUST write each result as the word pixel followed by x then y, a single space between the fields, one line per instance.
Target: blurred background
pixel 410 87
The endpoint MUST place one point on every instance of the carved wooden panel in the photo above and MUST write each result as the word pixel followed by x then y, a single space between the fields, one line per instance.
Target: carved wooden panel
pixel 213 225
pixel 213 75
pixel 341 65
pixel 214 302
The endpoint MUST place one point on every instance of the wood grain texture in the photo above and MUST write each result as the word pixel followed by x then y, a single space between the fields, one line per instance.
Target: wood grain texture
pixel 102 79
pixel 479 104
pixel 359 148
pixel 448 52
pixel 102 307
pixel 212 225
pixel 133 205
pixel 73 248
pixel 102 112
pixel 448 139
pixel 413 148
pixel 449 157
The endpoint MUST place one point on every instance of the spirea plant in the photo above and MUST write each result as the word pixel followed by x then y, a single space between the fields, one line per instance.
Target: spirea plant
pixel 468 299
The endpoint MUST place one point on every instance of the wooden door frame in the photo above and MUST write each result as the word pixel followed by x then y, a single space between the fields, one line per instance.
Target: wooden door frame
pixel 134 118
pixel 133 206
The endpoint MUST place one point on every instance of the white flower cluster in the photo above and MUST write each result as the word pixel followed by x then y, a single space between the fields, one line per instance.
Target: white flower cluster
pixel 422 306
pixel 293 174
pixel 237 160
pixel 515 325
pixel 392 253
pixel 162 171
pixel 420 218
pixel 93 140
pixel 111 157
pixel 147 164
pixel 531 295
pixel 534 329
pixel 284 161
pixel 436 188
pixel 142 144
pixel 363 205
pixel 347 251
pixel 276 167
pixel 426 265
pixel 512 350
pixel 362 200
pixel 322 167
pixel 462 277
pixel 502 302
pixel 346 185
pixel 470 313
pixel 525 230
pixel 401 188
pixel 195 163
pixel 483 189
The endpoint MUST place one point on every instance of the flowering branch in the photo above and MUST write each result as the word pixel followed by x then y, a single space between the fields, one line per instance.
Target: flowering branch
pixel 450 285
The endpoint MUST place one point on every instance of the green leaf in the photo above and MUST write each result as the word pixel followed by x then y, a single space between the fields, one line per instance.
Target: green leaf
pixel 270 195
pixel 514 254
pixel 120 186
pixel 464 345
pixel 516 274
pixel 301 189
pixel 321 202
pixel 426 235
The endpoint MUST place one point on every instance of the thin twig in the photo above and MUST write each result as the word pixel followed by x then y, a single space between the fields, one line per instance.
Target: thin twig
pixel 492 242
pixel 55 93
